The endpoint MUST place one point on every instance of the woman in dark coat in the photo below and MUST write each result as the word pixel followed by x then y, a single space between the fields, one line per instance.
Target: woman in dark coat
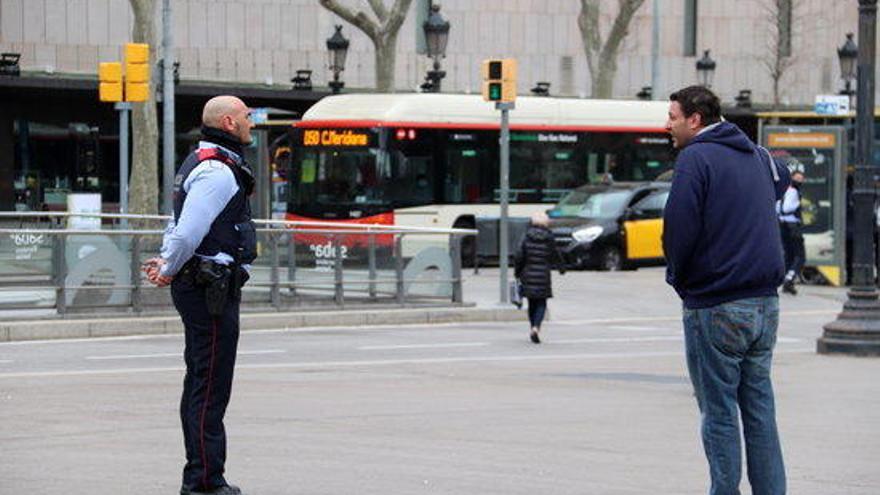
pixel 534 259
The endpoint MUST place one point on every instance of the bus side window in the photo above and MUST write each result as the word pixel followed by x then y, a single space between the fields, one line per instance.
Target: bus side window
pixel 462 180
pixel 413 183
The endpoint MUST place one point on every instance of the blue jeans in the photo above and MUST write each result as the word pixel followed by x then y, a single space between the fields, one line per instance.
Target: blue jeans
pixel 537 308
pixel 729 349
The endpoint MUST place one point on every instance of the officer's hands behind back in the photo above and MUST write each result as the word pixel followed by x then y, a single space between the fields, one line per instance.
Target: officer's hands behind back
pixel 153 267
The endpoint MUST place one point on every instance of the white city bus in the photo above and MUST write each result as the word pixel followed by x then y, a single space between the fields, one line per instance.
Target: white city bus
pixel 433 159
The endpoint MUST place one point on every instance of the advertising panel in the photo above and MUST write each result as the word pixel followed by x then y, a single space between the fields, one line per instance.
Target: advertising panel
pixel 819 153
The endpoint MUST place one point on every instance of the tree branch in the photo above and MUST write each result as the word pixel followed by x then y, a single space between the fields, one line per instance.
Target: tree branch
pixel 620 28
pixel 396 17
pixel 358 19
pixel 381 12
pixel 588 22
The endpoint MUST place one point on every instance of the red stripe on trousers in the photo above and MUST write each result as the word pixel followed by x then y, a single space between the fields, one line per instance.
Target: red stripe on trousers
pixel 207 400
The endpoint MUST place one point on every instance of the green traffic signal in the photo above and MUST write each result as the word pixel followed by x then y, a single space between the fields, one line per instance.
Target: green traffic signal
pixel 495 91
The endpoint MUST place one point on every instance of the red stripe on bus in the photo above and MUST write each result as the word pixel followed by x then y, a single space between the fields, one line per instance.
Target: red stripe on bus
pixel 313 124
pixel 350 240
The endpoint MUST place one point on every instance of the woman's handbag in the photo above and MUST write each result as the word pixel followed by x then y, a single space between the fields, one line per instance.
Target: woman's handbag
pixel 515 292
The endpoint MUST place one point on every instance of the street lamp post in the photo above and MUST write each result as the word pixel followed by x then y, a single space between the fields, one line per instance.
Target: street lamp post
pixel 337 49
pixel 437 35
pixel 857 328
pixel 706 69
pixel 847 55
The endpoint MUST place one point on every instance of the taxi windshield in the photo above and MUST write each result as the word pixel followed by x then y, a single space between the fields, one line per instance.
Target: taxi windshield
pixel 589 204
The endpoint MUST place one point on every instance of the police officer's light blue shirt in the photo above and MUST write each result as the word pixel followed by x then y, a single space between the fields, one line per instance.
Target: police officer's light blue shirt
pixel 788 205
pixel 209 187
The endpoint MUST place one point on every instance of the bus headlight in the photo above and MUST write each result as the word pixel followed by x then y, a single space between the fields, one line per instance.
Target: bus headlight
pixel 587 234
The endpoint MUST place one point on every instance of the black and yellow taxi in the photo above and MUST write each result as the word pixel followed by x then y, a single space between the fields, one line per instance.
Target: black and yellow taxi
pixel 611 226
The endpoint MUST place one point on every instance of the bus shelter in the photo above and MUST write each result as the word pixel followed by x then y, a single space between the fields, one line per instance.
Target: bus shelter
pixel 820 153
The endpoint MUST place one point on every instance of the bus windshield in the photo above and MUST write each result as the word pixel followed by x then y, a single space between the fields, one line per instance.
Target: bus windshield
pixel 346 183
pixel 589 204
pixel 339 183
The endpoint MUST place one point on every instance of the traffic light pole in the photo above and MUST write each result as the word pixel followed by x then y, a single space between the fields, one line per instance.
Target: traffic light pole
pixel 168 130
pixel 124 108
pixel 504 142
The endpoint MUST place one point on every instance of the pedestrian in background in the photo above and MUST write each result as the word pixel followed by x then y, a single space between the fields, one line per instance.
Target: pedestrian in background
pixel 534 259
pixel 206 252
pixel 724 259
pixel 790 227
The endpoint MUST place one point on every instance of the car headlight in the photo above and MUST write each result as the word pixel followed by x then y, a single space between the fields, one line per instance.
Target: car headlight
pixel 587 234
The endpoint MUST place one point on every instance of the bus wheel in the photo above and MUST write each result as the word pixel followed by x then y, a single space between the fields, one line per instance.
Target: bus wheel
pixel 612 260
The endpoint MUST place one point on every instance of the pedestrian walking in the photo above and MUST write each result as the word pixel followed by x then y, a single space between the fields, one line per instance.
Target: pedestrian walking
pixel 724 259
pixel 533 261
pixel 205 255
pixel 790 228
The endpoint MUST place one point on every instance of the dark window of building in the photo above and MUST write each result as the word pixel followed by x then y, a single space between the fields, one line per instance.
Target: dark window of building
pixel 690 28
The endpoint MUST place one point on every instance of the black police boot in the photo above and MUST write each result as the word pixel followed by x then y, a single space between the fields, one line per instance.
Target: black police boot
pixel 788 286
pixel 223 490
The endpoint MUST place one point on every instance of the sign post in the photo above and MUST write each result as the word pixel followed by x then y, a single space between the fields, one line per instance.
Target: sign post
pixel 124 109
pixel 503 227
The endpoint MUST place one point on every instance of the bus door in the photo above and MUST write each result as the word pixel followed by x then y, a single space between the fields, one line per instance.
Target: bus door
pixel 468 178
pixel 644 227
pixel 413 177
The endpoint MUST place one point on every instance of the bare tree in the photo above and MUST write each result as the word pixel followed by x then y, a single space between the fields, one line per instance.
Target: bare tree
pixel 144 184
pixel 602 55
pixel 780 16
pixel 382 31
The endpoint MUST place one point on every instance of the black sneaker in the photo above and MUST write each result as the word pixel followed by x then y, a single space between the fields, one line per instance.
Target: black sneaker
pixel 788 286
pixel 223 490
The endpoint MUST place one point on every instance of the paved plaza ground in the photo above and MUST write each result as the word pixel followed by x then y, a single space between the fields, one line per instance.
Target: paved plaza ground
pixel 602 407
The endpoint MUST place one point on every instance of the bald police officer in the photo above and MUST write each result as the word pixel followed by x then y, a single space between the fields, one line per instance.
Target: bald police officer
pixel 205 257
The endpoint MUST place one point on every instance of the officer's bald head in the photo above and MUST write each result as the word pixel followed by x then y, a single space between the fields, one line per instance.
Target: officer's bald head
pixel 219 107
pixel 228 114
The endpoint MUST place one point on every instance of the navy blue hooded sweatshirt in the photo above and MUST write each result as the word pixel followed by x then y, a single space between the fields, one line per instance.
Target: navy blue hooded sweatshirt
pixel 720 231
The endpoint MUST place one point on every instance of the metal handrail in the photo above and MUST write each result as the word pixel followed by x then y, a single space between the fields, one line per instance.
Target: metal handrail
pixel 267 231
pixel 376 285
pixel 367 227
pixel 81 232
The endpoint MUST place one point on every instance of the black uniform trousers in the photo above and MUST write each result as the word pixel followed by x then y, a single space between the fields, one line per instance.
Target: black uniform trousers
pixel 211 344
pixel 793 244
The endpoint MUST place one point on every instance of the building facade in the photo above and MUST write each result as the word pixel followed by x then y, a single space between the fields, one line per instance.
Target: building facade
pixel 55 137
pixel 266 41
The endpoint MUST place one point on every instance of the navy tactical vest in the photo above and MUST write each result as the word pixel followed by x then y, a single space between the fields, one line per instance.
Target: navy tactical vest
pixel 232 232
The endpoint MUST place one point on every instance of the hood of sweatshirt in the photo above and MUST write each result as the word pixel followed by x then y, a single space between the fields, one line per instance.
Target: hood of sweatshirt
pixel 726 134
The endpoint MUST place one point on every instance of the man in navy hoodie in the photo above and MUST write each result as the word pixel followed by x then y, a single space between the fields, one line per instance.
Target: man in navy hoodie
pixel 724 259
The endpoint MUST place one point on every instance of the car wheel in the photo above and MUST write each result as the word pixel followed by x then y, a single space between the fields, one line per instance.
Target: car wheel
pixel 612 260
